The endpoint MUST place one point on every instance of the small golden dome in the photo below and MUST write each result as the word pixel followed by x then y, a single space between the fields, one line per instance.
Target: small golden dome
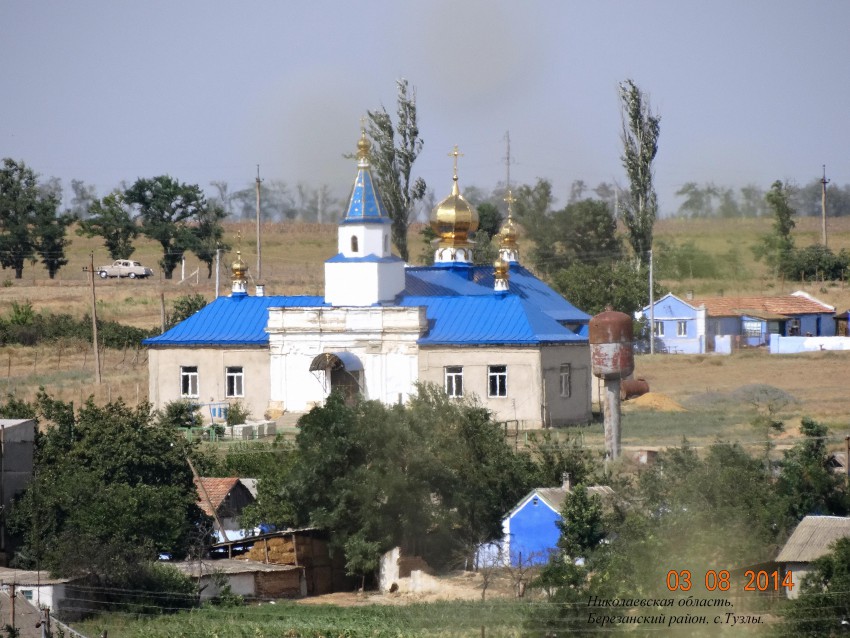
pixel 508 235
pixel 363 147
pixel 454 218
pixel 500 268
pixel 239 267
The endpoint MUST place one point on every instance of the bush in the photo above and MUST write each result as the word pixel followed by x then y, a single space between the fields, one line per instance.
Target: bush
pixel 237 413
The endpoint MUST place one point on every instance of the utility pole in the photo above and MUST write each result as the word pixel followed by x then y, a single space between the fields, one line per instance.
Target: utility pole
pixel 259 260
pixel 824 181
pixel 217 268
pixel 94 323
pixel 651 309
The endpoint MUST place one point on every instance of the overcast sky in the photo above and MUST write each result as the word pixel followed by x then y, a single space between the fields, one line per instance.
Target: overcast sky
pixel 748 91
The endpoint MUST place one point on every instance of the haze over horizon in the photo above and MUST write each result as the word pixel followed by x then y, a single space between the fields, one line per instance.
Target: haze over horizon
pixel 111 91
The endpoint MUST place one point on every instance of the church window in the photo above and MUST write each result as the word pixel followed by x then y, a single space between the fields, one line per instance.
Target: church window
pixel 565 384
pixel 234 382
pixel 454 381
pixel 497 381
pixel 386 243
pixel 354 243
pixel 189 381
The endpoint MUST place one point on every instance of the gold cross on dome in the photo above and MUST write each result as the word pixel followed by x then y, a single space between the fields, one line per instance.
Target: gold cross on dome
pixel 455 154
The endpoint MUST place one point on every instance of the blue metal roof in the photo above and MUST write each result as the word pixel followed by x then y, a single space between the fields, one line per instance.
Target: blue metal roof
pixel 230 321
pixel 461 306
pixel 461 280
pixel 365 204
pixel 498 318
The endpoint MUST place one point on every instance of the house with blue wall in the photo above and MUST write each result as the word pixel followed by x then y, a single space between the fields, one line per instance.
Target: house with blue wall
pixel 691 327
pixel 530 530
pixel 679 326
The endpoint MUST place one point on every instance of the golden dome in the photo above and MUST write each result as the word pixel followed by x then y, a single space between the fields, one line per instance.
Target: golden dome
pixel 363 147
pixel 508 235
pixel 500 269
pixel 239 267
pixel 454 218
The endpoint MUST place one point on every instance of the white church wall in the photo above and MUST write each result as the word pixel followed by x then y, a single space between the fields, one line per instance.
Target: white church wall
pixel 351 283
pixel 382 338
pixel 370 239
pixel 165 381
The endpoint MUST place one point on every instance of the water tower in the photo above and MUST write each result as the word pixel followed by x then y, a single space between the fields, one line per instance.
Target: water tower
pixel 612 359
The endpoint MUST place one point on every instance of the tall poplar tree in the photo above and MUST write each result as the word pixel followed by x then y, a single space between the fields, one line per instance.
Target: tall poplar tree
pixel 393 162
pixel 640 144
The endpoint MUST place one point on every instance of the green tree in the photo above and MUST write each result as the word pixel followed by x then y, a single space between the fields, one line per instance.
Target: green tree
pixel 587 232
pixel 167 209
pixel 778 247
pixel 824 602
pixel 111 490
pixel 593 287
pixel 393 162
pixel 806 482
pixel 27 218
pixel 208 235
pixel 640 145
pixel 434 477
pixel 533 206
pixel 489 219
pixel 111 219
pixel 49 237
pixel 184 307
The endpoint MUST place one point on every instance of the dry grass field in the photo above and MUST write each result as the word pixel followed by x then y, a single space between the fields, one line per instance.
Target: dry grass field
pixel 292 264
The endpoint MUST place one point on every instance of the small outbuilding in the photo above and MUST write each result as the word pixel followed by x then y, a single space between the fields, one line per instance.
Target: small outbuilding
pixel 530 530
pixel 223 499
pixel 812 539
pixel 247 578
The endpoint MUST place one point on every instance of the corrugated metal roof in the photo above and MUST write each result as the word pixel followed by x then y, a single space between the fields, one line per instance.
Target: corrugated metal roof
pixel 462 309
pixel 488 320
pixel 459 280
pixel 230 321
pixel 794 304
pixel 813 538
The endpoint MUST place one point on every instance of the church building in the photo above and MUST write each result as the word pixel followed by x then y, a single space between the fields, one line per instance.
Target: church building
pixel 497 332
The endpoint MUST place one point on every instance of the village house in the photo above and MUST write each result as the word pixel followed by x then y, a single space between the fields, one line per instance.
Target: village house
pixel 494 332
pixel 223 500
pixel 709 324
pixel 530 530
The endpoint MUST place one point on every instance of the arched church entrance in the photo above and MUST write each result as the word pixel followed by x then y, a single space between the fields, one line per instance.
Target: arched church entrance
pixel 343 371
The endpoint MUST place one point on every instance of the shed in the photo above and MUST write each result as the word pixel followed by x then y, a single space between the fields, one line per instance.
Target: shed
pixel 247 578
pixel 40 588
pixel 812 539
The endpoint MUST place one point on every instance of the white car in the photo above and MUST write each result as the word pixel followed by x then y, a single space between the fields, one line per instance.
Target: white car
pixel 124 268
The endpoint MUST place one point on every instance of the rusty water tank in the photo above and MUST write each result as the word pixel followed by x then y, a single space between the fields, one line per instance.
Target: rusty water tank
pixel 611 354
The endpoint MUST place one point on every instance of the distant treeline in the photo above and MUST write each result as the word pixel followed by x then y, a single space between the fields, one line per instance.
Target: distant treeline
pixel 711 200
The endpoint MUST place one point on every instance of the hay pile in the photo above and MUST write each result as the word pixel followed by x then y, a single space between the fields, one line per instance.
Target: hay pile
pixel 281 551
pixel 657 401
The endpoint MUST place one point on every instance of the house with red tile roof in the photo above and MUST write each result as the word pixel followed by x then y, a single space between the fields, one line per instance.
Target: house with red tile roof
pixel 749 320
pixel 223 499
